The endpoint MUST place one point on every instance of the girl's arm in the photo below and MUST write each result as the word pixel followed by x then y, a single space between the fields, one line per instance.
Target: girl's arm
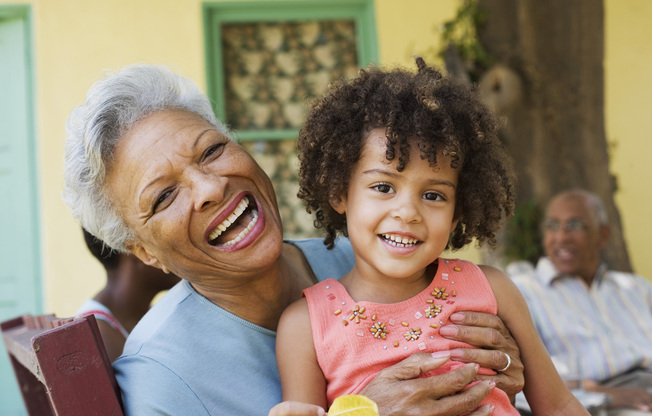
pixel 544 389
pixel 301 377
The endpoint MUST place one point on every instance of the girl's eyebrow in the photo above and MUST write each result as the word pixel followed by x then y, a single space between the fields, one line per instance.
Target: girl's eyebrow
pixel 393 174
pixel 382 172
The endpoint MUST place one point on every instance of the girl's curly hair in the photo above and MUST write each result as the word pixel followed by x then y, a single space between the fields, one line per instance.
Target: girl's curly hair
pixel 435 112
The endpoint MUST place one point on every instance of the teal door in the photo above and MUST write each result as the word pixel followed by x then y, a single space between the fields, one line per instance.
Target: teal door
pixel 20 274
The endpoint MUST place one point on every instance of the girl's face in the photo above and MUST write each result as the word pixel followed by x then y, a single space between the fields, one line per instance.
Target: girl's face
pixel 198 203
pixel 398 222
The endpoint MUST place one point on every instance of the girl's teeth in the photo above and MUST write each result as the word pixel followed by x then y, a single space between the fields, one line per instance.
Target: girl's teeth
pixel 399 241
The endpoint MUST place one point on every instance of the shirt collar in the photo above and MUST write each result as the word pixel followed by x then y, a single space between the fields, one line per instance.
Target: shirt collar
pixel 546 272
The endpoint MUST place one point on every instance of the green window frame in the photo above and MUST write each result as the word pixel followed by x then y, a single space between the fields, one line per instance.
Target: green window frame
pixel 215 14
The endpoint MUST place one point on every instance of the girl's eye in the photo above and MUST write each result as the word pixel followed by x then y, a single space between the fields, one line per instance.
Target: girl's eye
pixel 161 199
pixel 383 188
pixel 213 150
pixel 432 196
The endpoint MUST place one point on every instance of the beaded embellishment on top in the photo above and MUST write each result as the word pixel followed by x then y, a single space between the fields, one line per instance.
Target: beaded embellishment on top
pixel 379 327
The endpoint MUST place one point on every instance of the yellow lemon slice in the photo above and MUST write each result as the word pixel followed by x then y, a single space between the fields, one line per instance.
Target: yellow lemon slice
pixel 353 405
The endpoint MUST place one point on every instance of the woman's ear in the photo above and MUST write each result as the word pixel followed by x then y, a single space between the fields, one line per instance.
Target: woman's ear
pixel 141 252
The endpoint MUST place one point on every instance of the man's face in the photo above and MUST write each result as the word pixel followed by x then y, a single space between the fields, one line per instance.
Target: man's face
pixel 572 236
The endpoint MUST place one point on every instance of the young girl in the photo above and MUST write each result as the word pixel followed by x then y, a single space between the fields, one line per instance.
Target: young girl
pixel 406 165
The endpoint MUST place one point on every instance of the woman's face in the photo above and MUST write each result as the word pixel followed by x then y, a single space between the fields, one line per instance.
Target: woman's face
pixel 198 203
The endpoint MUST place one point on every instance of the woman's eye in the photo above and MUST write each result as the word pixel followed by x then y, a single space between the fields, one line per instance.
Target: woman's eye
pixel 383 188
pixel 432 196
pixel 213 150
pixel 161 199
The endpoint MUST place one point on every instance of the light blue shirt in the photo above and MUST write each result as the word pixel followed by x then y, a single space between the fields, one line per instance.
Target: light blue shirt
pixel 606 328
pixel 188 356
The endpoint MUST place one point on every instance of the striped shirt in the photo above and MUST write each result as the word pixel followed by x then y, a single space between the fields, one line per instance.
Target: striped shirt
pixel 606 328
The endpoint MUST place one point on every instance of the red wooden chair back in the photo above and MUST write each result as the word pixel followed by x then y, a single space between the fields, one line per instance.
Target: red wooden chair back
pixel 61 366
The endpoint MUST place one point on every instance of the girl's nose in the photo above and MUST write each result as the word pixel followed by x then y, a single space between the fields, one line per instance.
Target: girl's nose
pixel 406 211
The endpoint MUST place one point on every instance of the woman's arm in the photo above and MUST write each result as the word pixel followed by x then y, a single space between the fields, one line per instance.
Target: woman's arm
pixel 545 391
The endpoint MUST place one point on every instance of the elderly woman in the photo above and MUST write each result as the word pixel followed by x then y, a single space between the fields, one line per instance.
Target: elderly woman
pixel 150 170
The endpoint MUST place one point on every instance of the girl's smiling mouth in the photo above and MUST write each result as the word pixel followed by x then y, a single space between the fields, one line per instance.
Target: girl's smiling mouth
pixel 399 241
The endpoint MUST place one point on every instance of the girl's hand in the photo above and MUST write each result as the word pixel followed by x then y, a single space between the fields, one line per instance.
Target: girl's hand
pixel 398 390
pixel 489 334
pixel 296 409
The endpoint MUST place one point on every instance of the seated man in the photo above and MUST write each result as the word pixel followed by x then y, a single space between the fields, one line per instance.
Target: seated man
pixel 588 316
pixel 130 287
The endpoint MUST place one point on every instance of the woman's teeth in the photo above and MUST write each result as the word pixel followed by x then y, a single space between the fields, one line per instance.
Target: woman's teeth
pixel 399 241
pixel 244 232
pixel 224 225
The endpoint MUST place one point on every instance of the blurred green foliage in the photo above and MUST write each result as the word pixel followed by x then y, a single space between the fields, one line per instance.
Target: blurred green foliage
pixel 523 237
pixel 460 36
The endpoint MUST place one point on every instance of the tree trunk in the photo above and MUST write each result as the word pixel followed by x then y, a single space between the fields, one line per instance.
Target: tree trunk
pixel 548 83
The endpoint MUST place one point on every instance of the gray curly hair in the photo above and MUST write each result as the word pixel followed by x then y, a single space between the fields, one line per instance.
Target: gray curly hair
pixel 113 104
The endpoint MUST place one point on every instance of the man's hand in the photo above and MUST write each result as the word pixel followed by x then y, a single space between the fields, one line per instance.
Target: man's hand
pixel 489 334
pixel 399 391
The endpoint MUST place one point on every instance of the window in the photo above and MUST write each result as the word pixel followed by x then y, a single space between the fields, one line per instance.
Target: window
pixel 267 59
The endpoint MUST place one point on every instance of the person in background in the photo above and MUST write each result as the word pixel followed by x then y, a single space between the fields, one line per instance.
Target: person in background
pixel 130 287
pixel 589 317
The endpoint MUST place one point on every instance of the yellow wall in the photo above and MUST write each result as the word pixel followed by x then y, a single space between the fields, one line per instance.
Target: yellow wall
pixel 75 40
pixel 628 88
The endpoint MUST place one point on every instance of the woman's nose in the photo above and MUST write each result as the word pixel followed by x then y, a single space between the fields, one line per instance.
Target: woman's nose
pixel 207 190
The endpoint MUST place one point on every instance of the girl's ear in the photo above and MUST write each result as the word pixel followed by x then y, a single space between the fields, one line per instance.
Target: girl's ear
pixel 454 224
pixel 339 204
pixel 141 252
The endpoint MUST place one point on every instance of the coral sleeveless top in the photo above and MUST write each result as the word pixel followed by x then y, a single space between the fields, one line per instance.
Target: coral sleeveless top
pixel 355 340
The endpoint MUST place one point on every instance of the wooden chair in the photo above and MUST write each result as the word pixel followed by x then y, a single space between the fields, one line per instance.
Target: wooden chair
pixel 61 366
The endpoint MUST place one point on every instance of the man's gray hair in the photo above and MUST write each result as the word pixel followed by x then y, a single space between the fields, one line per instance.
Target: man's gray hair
pixel 593 201
pixel 113 104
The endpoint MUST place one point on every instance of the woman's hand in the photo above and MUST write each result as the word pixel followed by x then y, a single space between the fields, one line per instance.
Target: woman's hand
pixel 489 334
pixel 398 390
